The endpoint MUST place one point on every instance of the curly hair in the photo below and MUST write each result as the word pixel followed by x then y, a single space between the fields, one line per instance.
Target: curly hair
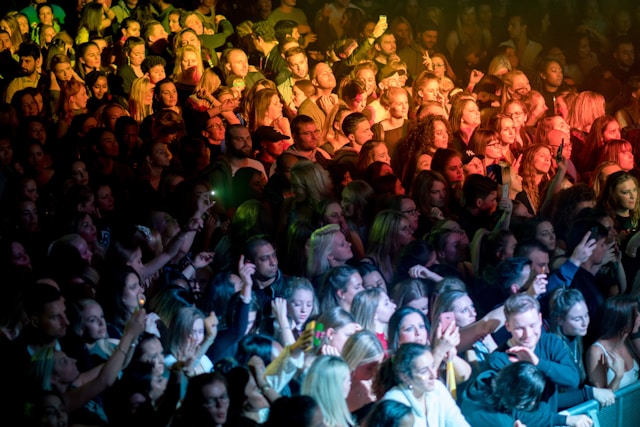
pixel 529 174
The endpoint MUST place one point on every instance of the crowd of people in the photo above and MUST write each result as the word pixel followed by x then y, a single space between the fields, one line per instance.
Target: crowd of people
pixel 374 213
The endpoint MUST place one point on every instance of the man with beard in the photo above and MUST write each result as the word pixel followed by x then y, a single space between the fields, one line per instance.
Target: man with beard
pixel 30 61
pixel 238 154
pixel 268 281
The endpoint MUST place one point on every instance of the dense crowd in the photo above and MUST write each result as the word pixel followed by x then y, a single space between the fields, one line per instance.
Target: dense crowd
pixel 374 213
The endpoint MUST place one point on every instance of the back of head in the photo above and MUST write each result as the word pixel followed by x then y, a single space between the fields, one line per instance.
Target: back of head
pixel 518 386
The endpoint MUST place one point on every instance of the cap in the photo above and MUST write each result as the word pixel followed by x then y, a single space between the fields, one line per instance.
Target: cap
pixel 269 134
pixel 468 155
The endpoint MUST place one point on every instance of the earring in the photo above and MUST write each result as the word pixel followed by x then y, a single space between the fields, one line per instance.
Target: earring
pixel 410 386
pixel 128 61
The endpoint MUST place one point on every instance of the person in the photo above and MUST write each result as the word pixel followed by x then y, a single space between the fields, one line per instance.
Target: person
pixel 206 401
pixel 301 411
pixel 328 382
pixel 338 287
pixel 418 387
pixel 363 354
pixel 529 344
pixel 245 396
pixel 510 396
pixel 611 362
pixel 389 413
pixel 339 325
pixel 328 248
pixel 372 309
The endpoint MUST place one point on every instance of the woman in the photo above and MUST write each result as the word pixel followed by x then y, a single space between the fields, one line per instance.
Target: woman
pixel 415 377
pixel 189 335
pixel 99 91
pixel 141 99
pixel 518 112
pixel 339 325
pixel 465 119
pixel 332 213
pixel 363 354
pixel 549 81
pixel 430 193
pixel 587 107
pixel 448 163
pixel 371 151
pixel 328 248
pixel 603 130
pixel 188 69
pixel 246 398
pixel 89 325
pixel 87 59
pixel 486 142
pixel 328 382
pixel 73 101
pixel 534 170
pixel 389 413
pixel 51 369
pixel 205 403
pixel 620 152
pixel 302 304
pixel 372 309
pixel 426 87
pixel 92 22
pixel 425 138
pixel 619 197
pixel 134 51
pixel 268 111
pixel 338 287
pixel 389 233
pixel 516 86
pixel 396 101
pixel 611 362
pixel 357 198
pixel 166 97
pixel 506 128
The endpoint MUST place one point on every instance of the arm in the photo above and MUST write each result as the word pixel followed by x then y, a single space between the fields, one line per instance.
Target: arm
pixel 597 367
pixel 76 398
pixel 490 323
pixel 554 187
pixel 279 309
pixel 291 359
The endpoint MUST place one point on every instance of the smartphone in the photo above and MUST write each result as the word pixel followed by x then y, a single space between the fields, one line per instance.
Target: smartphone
pixel 497 172
pixel 505 191
pixel 142 300
pixel 211 194
pixel 594 233
pixel 446 318
pixel 559 156
pixel 383 18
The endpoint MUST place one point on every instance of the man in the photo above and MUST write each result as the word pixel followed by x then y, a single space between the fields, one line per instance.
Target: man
pixel 164 9
pixel 305 141
pixel 213 132
pixel 385 49
pixel 30 61
pixel 413 55
pixel 528 344
pixel 123 9
pixel 264 40
pixel 324 80
pixel 298 66
pixel 32 13
pixel 288 11
pixel 510 277
pixel 237 154
pixel 271 143
pixel 357 129
pixel 268 281
pixel 157 40
pixel 479 202
pixel 624 57
pixel 527 50
pixel 236 63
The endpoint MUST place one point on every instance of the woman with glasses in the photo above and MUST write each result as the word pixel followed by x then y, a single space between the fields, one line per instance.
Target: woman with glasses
pixel 206 402
pixel 518 112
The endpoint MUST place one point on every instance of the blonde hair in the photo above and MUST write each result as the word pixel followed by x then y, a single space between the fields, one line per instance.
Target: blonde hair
pixel 361 347
pixel 178 71
pixel 139 90
pixel 320 246
pixel 364 307
pixel 587 107
pixel 324 382
pixel 209 81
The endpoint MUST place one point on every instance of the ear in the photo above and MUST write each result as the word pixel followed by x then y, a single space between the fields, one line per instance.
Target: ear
pixel 204 133
pixel 478 202
pixel 330 333
pixel 514 289
pixel 340 293
pixel 420 94
pixel 34 321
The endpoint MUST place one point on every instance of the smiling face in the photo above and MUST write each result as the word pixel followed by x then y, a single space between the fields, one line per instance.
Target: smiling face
pixel 423 373
pixel 400 106
pixel 525 328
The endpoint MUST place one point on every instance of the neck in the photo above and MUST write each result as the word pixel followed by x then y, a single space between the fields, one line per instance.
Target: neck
pixel 418 394
pixel 323 92
pixel 264 283
pixel 395 122
pixel 266 157
pixel 285 8
pixel 623 212
pixel 106 164
pixel 466 132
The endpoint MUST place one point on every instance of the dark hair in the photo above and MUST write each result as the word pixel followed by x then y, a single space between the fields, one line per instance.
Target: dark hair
pixel 562 300
pixel 192 411
pixel 283 30
pixel 524 248
pixel 416 252
pixel 509 272
pixel 404 357
pixel 394 325
pixel 297 123
pixel 29 49
pixel 441 157
pixel 332 281
pixel 295 411
pixel 351 122
pixel 237 379
pixel 617 316
pixel 387 413
pixel 518 386
pixel 582 227
pixel 476 187
pixel 254 345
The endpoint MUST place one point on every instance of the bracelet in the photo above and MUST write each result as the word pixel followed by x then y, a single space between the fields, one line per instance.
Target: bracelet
pixel 265 388
pixel 121 350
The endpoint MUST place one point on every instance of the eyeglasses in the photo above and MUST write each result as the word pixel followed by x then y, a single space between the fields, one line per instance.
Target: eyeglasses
pixel 517 114
pixel 216 126
pixel 412 212
pixel 493 143
pixel 438 65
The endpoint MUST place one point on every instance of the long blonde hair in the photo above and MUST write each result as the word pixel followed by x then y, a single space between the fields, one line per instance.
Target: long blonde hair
pixel 324 383
pixel 139 90
pixel 178 71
